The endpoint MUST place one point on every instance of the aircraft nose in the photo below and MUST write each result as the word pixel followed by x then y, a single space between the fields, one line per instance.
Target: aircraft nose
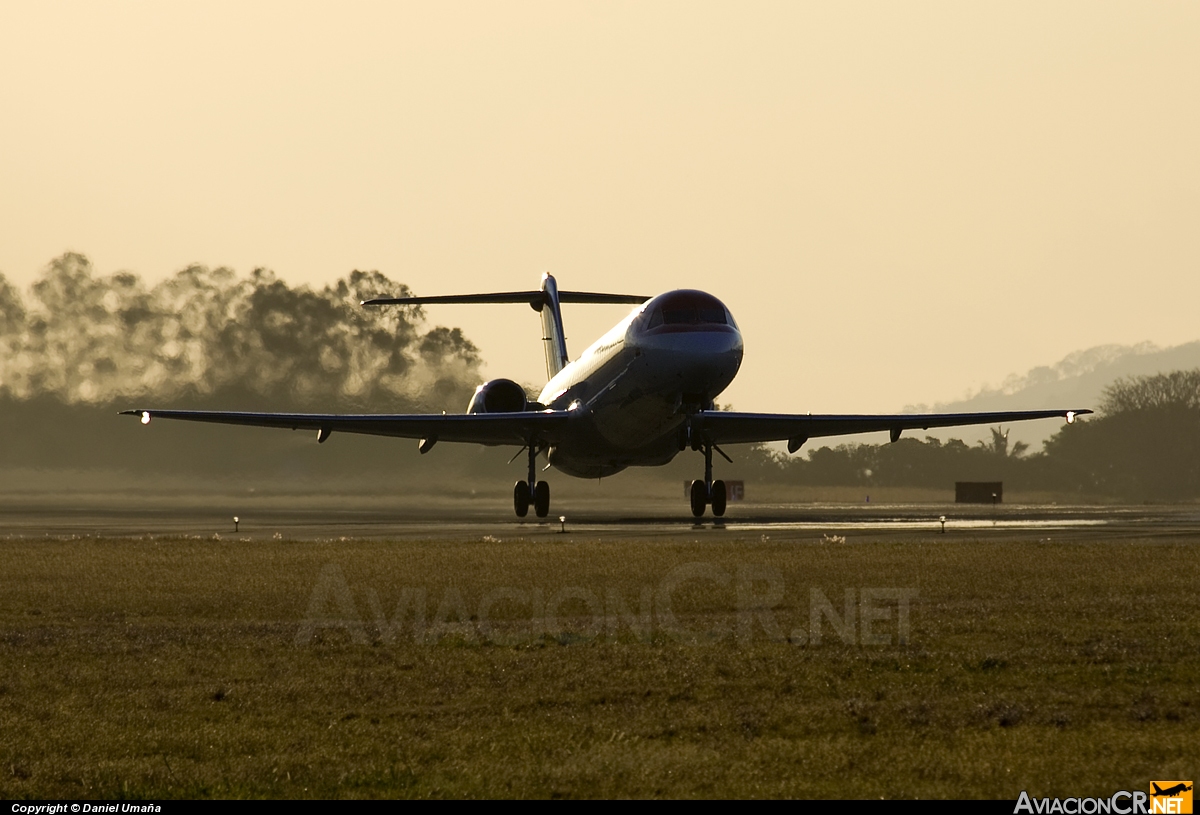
pixel 689 340
pixel 703 360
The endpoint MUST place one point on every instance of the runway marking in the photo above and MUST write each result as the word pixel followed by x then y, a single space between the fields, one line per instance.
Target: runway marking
pixel 932 523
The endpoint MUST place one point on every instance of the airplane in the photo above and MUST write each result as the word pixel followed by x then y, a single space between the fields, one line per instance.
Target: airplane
pixel 638 396
pixel 1170 792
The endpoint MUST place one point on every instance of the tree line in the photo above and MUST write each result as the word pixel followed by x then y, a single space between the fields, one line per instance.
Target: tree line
pixel 78 345
pixel 207 334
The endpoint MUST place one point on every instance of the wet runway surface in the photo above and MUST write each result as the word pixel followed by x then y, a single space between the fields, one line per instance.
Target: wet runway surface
pixel 467 520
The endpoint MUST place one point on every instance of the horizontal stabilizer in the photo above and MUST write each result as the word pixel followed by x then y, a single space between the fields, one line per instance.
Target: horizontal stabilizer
pixel 545 301
pixel 534 298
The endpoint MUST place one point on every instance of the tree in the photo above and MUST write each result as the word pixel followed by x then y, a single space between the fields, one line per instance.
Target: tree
pixel 999 444
pixel 1175 390
pixel 1144 444
pixel 209 335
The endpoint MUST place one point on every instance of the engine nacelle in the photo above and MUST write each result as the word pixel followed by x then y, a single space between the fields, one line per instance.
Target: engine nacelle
pixel 499 396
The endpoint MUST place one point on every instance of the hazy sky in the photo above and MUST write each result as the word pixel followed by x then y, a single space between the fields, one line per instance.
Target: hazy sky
pixel 898 201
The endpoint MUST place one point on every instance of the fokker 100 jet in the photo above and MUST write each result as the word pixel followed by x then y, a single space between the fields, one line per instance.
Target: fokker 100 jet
pixel 638 396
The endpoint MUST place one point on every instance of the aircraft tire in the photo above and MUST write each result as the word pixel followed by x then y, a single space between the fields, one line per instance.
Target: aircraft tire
pixel 541 499
pixel 699 498
pixel 521 498
pixel 718 498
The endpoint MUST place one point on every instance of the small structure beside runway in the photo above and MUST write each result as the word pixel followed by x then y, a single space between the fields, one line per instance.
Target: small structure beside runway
pixel 978 492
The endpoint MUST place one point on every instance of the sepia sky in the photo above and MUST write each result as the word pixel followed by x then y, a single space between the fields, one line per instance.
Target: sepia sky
pixel 899 202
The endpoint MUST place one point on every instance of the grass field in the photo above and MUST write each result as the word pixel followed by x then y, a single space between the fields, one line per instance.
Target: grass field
pixel 200 668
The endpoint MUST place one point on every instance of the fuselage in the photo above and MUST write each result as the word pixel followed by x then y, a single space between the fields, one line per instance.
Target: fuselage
pixel 634 387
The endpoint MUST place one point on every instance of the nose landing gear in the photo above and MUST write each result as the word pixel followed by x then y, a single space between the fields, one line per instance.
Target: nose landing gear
pixel 532 491
pixel 709 492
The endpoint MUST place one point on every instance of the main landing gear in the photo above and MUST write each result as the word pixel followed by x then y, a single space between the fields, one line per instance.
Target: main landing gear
pixel 532 491
pixel 539 497
pixel 709 492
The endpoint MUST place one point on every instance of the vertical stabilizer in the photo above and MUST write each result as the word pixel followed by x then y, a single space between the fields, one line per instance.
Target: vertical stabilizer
pixel 552 327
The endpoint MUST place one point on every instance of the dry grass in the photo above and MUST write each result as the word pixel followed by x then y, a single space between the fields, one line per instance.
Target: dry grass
pixel 172 668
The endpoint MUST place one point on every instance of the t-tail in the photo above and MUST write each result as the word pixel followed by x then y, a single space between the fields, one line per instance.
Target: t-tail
pixel 546 300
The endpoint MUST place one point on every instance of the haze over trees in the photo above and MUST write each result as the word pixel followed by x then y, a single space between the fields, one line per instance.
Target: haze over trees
pixel 208 334
pixel 79 346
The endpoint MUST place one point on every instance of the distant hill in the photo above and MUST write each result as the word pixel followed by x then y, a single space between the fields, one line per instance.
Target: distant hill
pixel 1078 380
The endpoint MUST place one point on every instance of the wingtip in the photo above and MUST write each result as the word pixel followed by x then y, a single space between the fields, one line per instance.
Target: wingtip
pixel 144 414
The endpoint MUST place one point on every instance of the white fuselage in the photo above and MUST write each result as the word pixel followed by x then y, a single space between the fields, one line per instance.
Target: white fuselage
pixel 635 385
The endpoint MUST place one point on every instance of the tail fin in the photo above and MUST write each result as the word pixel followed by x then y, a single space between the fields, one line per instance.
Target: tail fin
pixel 546 301
pixel 552 327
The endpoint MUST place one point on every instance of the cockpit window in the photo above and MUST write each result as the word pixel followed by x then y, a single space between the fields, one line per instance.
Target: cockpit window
pixel 687 308
pixel 689 316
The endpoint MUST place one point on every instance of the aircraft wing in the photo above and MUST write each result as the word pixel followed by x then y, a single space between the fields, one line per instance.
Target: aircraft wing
pixel 723 427
pixel 478 428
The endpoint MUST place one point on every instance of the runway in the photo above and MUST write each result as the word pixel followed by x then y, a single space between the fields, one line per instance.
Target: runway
pixel 465 520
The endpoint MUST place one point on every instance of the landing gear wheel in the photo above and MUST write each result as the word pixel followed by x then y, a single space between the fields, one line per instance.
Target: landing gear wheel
pixel 699 498
pixel 541 499
pixel 718 498
pixel 521 498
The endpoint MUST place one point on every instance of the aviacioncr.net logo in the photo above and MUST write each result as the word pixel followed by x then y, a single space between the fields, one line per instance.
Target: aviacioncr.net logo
pixel 1164 798
pixel 1171 797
